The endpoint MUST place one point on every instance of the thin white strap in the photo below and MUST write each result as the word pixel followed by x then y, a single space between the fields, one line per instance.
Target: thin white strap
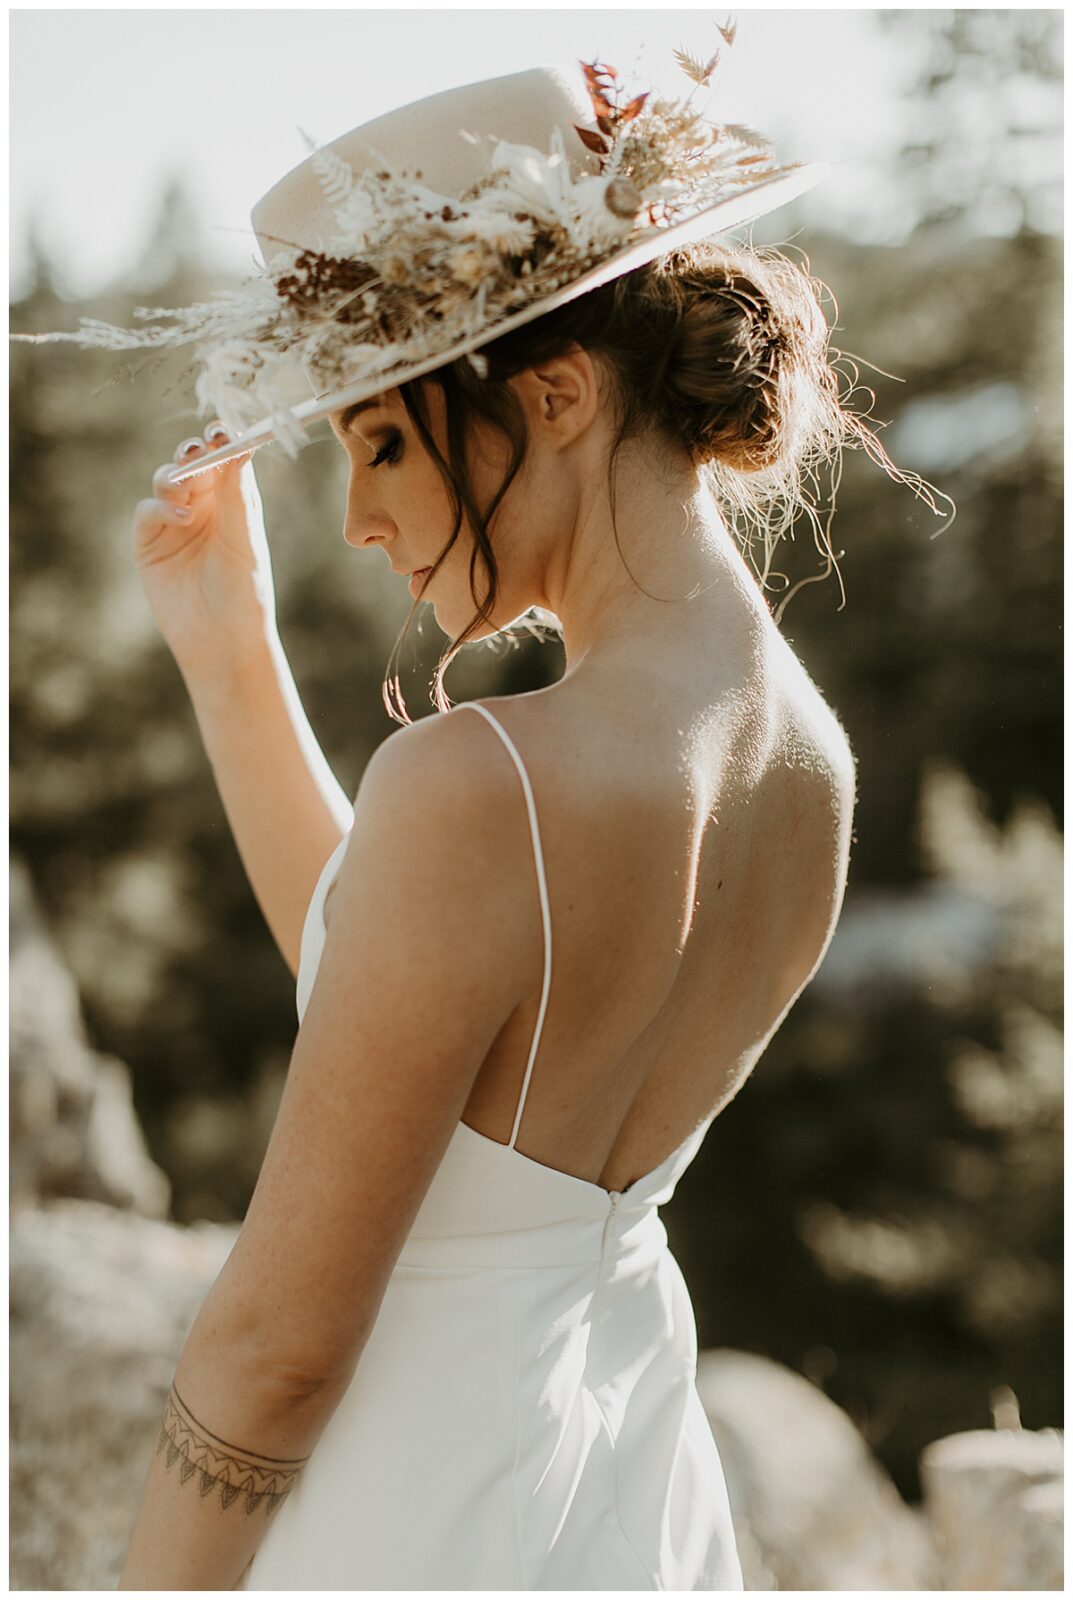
pixel 538 856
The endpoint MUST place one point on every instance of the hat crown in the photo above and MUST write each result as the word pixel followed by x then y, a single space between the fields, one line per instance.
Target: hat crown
pixel 428 137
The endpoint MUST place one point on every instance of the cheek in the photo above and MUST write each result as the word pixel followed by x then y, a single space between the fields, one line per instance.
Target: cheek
pixel 493 463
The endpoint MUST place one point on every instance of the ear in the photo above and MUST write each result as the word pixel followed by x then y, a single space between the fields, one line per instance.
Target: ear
pixel 561 396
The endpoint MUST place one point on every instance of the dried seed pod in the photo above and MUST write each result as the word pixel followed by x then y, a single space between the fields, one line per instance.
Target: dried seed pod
pixel 622 198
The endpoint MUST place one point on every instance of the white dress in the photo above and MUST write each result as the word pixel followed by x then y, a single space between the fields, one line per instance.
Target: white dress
pixel 524 1414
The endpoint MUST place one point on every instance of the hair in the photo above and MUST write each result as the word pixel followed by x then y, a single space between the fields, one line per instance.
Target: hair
pixel 717 349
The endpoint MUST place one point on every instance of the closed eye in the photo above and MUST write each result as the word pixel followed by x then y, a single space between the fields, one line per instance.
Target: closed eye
pixel 388 452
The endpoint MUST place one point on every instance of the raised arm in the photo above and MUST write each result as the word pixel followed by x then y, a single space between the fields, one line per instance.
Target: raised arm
pixel 208 578
pixel 286 808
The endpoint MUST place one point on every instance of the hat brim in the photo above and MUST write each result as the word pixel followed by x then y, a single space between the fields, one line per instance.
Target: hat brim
pixel 730 212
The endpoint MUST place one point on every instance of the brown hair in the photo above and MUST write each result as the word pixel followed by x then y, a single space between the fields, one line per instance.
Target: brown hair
pixel 720 349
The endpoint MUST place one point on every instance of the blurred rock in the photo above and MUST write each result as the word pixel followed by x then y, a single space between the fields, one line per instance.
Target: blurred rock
pixel 73 1130
pixel 812 1507
pixel 101 1303
pixel 995 1500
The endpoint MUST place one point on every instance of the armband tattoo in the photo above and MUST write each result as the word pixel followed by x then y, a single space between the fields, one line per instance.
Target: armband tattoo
pixel 215 1464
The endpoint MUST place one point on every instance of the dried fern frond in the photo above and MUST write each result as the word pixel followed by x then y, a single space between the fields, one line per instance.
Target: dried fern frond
pixel 337 178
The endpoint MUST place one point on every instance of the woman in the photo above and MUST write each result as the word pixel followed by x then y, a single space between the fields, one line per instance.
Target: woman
pixel 547 942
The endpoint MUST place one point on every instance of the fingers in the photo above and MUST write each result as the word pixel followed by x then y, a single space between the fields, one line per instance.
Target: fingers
pixel 162 484
pixel 216 434
pixel 170 502
pixel 150 513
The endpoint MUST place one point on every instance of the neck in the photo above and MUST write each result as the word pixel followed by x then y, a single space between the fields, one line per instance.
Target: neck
pixel 688 575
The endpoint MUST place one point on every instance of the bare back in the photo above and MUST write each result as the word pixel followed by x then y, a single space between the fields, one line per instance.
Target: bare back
pixel 695 848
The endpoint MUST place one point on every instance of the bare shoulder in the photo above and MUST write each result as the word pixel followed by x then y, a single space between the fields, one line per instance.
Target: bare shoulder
pixel 451 756
pixel 811 737
pixel 440 801
pixel 816 738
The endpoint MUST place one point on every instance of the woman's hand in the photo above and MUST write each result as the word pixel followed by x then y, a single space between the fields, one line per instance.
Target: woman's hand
pixel 207 574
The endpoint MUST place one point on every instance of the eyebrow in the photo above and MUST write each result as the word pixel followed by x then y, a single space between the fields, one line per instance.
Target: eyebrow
pixel 355 410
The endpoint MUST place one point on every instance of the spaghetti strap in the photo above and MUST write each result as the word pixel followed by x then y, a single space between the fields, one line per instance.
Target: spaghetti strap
pixel 542 884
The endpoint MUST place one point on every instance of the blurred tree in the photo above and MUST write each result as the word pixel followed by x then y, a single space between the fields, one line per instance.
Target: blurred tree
pixel 903 1247
pixel 174 247
pixel 946 644
pixel 986 152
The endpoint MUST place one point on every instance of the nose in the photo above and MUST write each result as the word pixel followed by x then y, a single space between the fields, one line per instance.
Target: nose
pixel 358 535
pixel 365 523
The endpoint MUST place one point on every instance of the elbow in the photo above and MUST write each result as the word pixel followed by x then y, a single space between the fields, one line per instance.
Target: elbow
pixel 238 1356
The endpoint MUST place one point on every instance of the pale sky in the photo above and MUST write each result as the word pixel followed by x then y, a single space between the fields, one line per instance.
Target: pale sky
pixel 103 103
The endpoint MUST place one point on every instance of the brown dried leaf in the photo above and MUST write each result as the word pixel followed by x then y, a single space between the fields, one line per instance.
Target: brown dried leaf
pixel 634 107
pixel 592 141
pixel 598 90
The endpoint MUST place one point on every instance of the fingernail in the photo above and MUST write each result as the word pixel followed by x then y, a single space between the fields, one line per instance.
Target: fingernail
pixel 182 511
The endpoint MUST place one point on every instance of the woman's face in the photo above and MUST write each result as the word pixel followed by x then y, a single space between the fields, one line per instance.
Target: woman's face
pixel 397 499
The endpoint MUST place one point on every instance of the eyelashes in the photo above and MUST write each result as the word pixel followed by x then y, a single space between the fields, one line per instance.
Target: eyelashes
pixel 388 452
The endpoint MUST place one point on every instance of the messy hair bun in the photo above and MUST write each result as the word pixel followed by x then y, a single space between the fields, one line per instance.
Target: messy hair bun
pixel 738 348
pixel 718 349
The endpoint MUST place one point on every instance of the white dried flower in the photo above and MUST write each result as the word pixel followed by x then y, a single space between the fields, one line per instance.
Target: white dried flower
pixel 290 432
pixel 469 267
pixel 361 358
pixel 507 234
pixel 533 182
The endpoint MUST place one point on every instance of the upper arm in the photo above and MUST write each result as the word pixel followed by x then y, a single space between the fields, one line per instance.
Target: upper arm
pixel 433 939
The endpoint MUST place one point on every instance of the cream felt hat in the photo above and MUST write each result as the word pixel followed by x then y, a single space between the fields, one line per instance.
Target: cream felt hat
pixel 424 233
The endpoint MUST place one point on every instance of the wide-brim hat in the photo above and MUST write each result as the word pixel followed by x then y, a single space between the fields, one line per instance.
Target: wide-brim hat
pixel 436 228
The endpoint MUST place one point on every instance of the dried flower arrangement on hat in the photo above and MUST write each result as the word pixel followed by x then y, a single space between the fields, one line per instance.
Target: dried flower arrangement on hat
pixel 410 272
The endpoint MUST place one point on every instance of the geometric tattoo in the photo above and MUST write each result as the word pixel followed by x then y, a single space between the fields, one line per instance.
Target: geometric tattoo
pixel 259 1480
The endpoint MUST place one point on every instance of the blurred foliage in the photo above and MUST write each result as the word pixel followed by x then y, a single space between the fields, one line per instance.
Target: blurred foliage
pixel 904 1249
pixel 986 145
pixel 880 1206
